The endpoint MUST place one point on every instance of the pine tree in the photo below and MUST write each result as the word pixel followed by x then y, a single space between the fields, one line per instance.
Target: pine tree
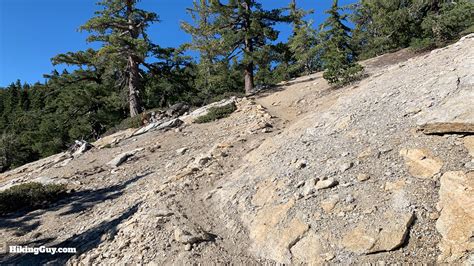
pixel 447 20
pixel 91 66
pixel 382 26
pixel 213 72
pixel 338 54
pixel 303 43
pixel 121 27
pixel 245 29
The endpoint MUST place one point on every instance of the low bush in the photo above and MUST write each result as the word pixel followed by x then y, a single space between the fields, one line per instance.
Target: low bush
pixel 339 77
pixel 30 196
pixel 216 113
pixel 422 44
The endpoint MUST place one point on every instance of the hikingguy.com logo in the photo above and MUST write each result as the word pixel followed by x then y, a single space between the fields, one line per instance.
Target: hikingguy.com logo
pixel 40 250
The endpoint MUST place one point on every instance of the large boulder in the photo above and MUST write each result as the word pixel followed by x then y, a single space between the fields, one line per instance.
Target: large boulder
pixel 205 109
pixel 455 114
pixel 456 222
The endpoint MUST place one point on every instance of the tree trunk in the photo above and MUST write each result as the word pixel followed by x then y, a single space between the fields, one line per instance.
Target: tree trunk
pixel 133 87
pixel 249 85
pixel 133 68
pixel 249 67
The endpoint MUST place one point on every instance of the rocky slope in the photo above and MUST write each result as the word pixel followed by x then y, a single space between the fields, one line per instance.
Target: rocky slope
pixel 381 171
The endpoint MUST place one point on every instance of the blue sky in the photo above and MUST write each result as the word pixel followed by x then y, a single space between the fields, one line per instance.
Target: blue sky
pixel 33 31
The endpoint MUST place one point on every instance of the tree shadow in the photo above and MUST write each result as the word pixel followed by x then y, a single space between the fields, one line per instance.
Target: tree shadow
pixel 84 242
pixel 24 222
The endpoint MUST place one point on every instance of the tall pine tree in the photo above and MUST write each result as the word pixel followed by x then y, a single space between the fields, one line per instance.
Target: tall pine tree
pixel 303 43
pixel 245 28
pixel 213 71
pixel 338 56
pixel 121 28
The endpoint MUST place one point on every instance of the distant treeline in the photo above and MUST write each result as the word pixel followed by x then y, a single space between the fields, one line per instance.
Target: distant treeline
pixel 236 42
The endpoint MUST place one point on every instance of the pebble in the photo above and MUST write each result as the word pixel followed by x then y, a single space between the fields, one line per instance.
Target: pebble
pixel 345 166
pixel 469 165
pixel 182 151
pixel 327 183
pixel 363 177
pixel 300 184
pixel 188 247
pixel 349 199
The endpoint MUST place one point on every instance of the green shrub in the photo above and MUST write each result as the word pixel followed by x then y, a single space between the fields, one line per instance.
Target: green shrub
pixel 30 196
pixel 343 75
pixel 216 113
pixel 422 44
pixel 467 31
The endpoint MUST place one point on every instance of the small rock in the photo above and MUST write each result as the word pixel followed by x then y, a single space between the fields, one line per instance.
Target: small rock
pixel 182 151
pixel 121 158
pixel 349 199
pixel 161 213
pixel 79 147
pixel 328 204
pixel 153 148
pixel 301 165
pixel 327 183
pixel 188 247
pixel 433 215
pixel 298 196
pixel 190 236
pixel 202 160
pixel 395 186
pixel 345 166
pixel 469 165
pixel 328 256
pixel 363 177
pixel 300 184
pixel 309 187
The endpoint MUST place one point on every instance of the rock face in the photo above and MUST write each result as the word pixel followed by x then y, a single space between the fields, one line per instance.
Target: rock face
pixel 309 250
pixel 421 163
pixel 160 125
pixel 365 239
pixel 271 239
pixel 455 115
pixel 469 144
pixel 204 110
pixel 456 222
pixel 438 128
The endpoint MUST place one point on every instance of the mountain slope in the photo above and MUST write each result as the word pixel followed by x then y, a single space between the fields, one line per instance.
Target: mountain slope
pixel 300 174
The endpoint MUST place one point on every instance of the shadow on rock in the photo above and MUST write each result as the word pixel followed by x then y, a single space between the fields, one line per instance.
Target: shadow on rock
pixel 84 242
pixel 75 202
